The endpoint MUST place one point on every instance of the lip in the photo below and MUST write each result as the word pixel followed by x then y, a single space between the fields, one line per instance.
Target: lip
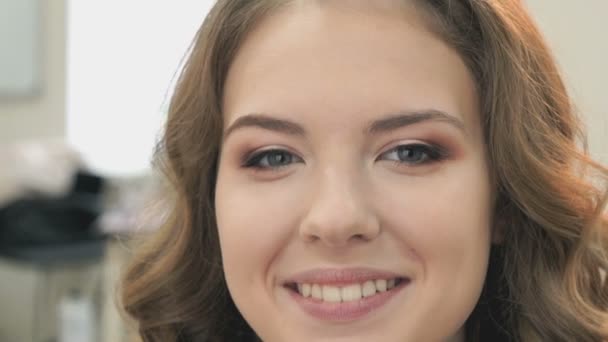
pixel 345 311
pixel 341 276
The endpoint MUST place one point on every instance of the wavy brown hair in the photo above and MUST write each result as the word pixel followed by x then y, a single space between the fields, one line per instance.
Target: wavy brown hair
pixel 545 279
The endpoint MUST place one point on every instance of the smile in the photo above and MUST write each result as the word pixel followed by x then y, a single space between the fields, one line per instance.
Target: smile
pixel 344 295
pixel 349 293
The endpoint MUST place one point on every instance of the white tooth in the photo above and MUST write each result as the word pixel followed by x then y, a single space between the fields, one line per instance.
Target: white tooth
pixel 306 289
pixel 381 285
pixel 331 294
pixel 299 288
pixel 369 288
pixel 351 293
pixel 390 284
pixel 316 291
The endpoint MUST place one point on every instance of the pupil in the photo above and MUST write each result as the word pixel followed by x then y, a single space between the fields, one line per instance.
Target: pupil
pixel 409 154
pixel 278 158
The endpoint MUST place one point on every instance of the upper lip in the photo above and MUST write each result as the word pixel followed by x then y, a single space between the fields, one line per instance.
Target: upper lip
pixel 341 276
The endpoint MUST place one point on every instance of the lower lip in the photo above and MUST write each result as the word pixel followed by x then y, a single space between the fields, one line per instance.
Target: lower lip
pixel 345 311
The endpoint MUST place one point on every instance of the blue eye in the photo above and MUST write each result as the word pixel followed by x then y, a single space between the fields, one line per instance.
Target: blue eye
pixel 414 154
pixel 271 159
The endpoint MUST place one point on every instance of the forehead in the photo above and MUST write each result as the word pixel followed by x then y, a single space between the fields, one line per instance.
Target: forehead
pixel 342 60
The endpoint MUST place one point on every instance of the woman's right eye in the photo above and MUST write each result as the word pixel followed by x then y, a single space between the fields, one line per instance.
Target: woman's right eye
pixel 271 159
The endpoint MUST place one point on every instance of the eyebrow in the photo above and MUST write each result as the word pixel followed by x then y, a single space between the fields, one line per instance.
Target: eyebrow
pixel 386 124
pixel 266 122
pixel 408 118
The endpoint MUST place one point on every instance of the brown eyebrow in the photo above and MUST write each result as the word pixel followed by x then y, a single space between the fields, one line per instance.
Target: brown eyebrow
pixel 408 118
pixel 266 122
pixel 389 123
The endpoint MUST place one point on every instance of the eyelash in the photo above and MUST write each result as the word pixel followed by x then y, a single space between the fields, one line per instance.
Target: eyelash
pixel 431 154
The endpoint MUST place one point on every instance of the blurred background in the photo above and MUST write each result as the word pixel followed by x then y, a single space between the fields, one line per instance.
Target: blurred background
pixel 84 88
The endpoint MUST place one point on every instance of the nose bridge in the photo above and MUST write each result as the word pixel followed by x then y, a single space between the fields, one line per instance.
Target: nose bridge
pixel 338 188
pixel 339 211
pixel 340 170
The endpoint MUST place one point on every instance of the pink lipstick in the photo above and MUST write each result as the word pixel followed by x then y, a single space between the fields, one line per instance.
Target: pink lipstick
pixel 343 295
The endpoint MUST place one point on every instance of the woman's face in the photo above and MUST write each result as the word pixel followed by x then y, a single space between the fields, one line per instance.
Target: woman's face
pixel 353 198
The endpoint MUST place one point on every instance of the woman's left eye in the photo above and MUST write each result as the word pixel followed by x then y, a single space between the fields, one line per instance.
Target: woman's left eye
pixel 414 154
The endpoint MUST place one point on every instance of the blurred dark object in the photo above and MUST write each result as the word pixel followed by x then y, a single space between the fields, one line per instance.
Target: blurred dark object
pixel 33 224
pixel 56 235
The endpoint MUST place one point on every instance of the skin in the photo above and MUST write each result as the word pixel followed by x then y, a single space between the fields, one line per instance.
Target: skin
pixel 341 196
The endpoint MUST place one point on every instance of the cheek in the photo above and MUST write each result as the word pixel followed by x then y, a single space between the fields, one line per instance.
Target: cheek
pixel 451 208
pixel 445 221
pixel 254 226
pixel 453 236
pixel 453 217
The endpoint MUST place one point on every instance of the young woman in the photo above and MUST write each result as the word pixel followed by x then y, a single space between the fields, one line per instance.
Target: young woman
pixel 373 171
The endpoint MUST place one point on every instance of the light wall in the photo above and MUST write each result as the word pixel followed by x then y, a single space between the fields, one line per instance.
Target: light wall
pixel 576 30
pixel 34 117
pixel 41 115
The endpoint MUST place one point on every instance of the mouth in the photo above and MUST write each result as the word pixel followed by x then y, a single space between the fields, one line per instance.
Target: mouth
pixel 344 295
pixel 348 293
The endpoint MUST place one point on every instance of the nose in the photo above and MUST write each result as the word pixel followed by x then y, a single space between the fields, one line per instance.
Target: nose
pixel 339 212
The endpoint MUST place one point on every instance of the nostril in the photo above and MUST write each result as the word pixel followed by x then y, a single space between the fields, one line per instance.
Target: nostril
pixel 360 237
pixel 312 238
